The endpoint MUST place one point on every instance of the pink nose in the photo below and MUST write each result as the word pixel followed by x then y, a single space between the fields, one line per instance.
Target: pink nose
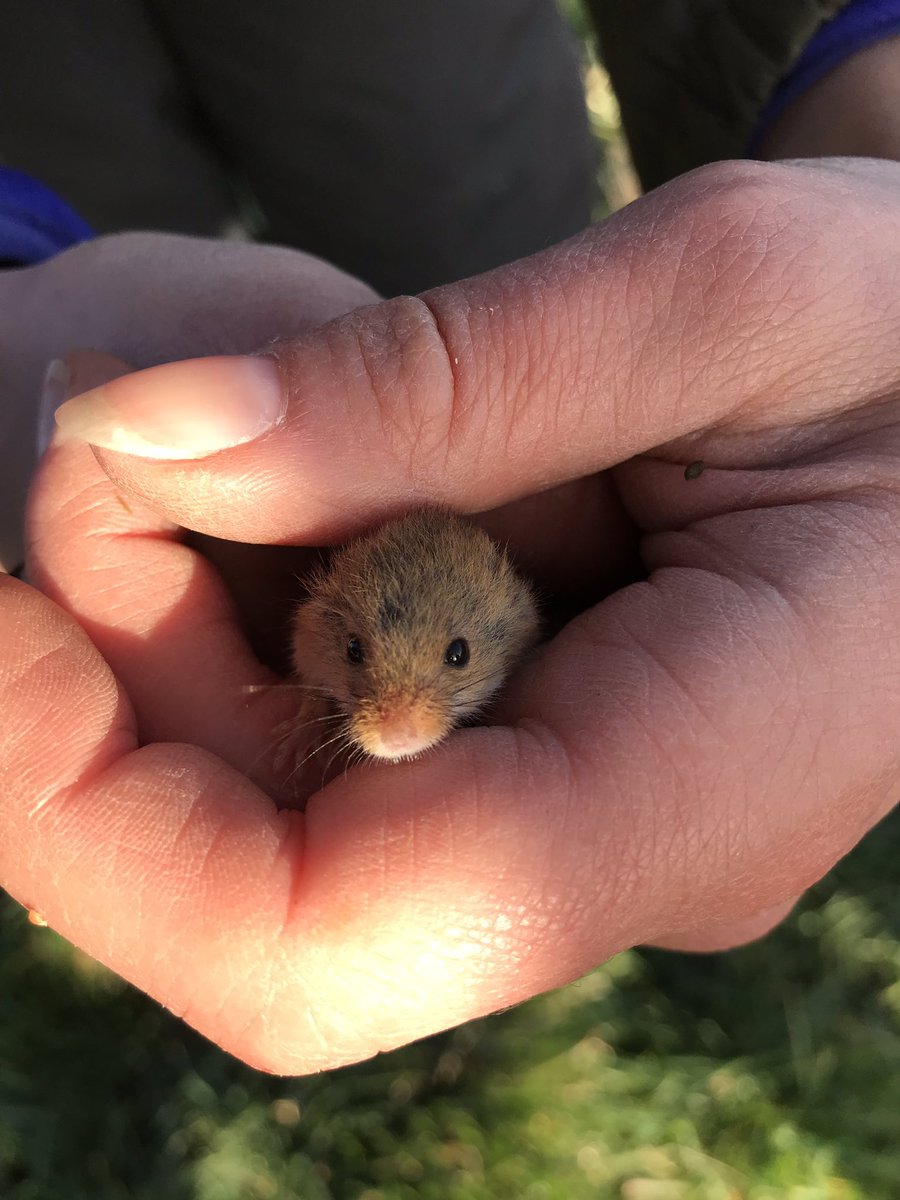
pixel 402 730
pixel 400 735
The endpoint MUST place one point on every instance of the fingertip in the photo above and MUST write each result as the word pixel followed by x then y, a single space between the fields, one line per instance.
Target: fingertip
pixel 80 371
pixel 182 410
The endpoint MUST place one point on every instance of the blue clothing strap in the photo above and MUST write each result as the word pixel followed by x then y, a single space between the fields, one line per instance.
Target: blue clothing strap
pixel 860 24
pixel 34 223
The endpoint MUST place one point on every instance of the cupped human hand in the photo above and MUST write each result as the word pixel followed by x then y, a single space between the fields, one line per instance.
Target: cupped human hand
pixel 711 372
pixel 145 298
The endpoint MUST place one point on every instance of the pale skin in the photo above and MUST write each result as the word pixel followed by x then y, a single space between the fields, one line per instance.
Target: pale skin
pixel 677 766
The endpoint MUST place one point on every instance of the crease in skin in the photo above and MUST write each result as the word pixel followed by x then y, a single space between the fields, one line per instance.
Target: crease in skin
pixel 848 427
pixel 54 791
pixel 666 834
pixel 707 936
pixel 696 663
pixel 554 907
pixel 713 541
pixel 857 466
pixel 434 975
pixel 194 828
pixel 651 653
pixel 292 848
pixel 367 339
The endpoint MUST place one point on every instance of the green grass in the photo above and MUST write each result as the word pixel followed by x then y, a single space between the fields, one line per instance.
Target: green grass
pixel 769 1072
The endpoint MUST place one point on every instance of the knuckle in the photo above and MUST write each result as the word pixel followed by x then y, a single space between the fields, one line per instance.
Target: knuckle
pixel 743 195
pixel 405 363
pixel 747 245
pixel 770 232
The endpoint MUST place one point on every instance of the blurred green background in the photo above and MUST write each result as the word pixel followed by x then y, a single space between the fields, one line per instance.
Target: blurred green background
pixel 771 1072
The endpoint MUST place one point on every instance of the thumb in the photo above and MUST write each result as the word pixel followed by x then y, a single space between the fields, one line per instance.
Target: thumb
pixel 713 300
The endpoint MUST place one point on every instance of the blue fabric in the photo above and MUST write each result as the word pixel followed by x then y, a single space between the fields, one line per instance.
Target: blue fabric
pixel 860 24
pixel 34 223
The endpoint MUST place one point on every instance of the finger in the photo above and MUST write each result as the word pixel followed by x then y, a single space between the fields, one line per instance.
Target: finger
pixel 710 936
pixel 156 610
pixel 731 296
pixel 751 682
pixel 146 298
pixel 161 862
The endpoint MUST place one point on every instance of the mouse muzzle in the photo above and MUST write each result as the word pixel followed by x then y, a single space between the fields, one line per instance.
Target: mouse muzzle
pixel 399 725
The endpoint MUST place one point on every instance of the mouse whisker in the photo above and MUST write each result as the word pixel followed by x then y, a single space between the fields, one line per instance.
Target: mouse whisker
pixel 348 744
pixel 282 734
pixel 312 687
pixel 253 689
pixel 340 736
pixel 358 757
pixel 297 729
pixel 466 685
pixel 475 685
pixel 354 758
pixel 292 726
pixel 334 716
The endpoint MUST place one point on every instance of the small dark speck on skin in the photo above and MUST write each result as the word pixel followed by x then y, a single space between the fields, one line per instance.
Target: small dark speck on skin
pixel 694 470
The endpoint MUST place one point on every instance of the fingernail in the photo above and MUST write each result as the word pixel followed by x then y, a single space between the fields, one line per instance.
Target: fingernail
pixel 53 393
pixel 179 410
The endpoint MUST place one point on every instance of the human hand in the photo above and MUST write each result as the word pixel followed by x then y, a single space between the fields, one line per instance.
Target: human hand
pixel 681 760
pixel 145 298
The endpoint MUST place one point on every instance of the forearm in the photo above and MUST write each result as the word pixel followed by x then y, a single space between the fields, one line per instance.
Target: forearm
pixel 853 110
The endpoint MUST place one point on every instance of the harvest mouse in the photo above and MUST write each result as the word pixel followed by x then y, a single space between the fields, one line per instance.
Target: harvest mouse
pixel 412 628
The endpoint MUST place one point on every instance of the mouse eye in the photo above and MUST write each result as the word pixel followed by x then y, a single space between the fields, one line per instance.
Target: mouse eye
pixel 355 650
pixel 457 653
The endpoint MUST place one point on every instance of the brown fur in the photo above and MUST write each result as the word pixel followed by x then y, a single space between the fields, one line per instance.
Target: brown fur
pixel 407 591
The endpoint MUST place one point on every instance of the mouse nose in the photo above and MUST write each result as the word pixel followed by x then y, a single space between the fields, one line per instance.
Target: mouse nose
pixel 401 729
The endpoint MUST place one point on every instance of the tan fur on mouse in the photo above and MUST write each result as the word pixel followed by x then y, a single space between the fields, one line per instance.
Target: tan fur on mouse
pixel 411 629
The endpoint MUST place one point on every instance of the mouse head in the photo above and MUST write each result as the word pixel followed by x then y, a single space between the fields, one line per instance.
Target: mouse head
pixel 411 629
